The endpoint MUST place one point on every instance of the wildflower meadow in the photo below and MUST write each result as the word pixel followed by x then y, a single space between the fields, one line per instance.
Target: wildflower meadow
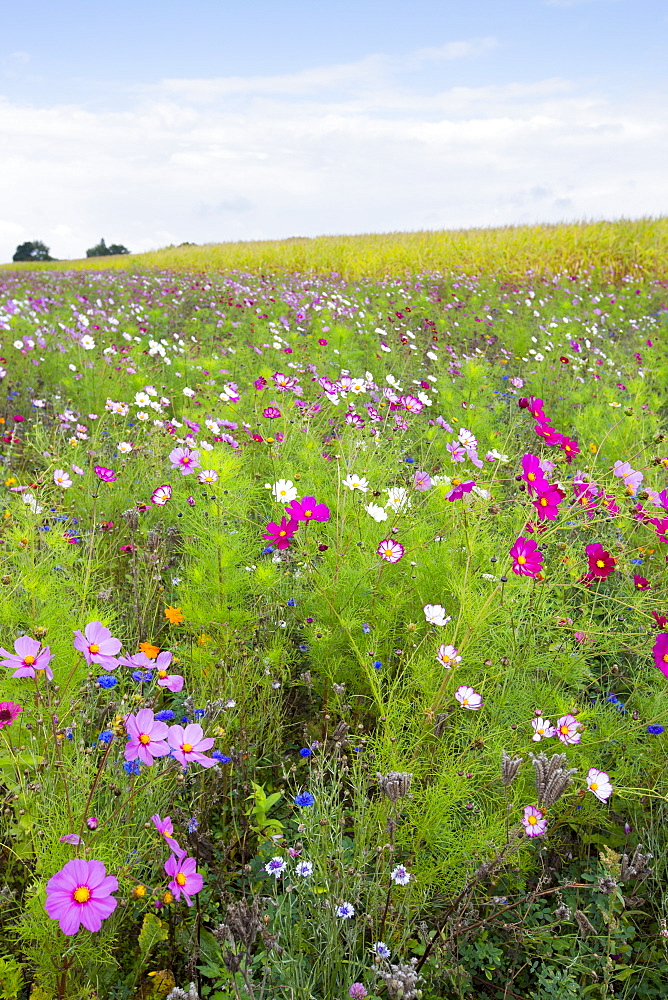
pixel 334 631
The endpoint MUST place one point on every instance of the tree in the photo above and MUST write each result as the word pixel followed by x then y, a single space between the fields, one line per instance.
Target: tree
pixel 102 250
pixel 36 250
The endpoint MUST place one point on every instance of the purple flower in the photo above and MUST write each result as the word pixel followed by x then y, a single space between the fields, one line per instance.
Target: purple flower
pixel 390 551
pixel 98 645
pixel 184 459
pixel 106 475
pixel 185 878
pixel 533 821
pixel 165 829
pixel 271 412
pixel 457 492
pixel 187 744
pixel 80 893
pixel 660 651
pixel 27 658
pixel 147 737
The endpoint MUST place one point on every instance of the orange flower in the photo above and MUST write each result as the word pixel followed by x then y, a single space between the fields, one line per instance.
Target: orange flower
pixel 148 649
pixel 173 615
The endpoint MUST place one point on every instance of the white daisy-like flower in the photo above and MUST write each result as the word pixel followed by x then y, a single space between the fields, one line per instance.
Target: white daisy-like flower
pixel 598 782
pixel 283 491
pixel 143 415
pixel 398 499
pixel 466 438
pixel 377 513
pixel 468 697
pixel 448 655
pixel 354 482
pixel 61 478
pixel 87 342
pixel 125 447
pixel 435 614
pixel 187 391
pixel 542 730
pixel 207 476
pixel 142 399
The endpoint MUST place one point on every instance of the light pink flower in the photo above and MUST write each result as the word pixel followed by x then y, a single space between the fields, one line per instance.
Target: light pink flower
pixel 185 878
pixel 80 893
pixel 533 821
pixel 28 658
pixel 598 782
pixel 173 682
pixel 147 737
pixel 468 697
pixel 187 744
pixel 184 459
pixel 98 645
pixel 390 550
pixel 542 730
pixel 568 730
pixel 448 655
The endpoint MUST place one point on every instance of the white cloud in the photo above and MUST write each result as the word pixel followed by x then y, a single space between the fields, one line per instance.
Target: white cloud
pixel 350 148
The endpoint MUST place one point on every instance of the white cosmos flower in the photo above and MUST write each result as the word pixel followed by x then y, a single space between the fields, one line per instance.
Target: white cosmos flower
pixel 29 499
pixel 61 478
pixel 377 513
pixel 435 614
pixel 542 730
pixel 87 342
pixel 283 491
pixel 124 447
pixel 397 498
pixel 187 391
pixel 598 782
pixel 141 399
pixel 143 415
pixel 354 482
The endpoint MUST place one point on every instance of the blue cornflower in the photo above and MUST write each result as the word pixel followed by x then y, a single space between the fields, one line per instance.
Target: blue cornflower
pixel 656 730
pixel 200 713
pixel 303 646
pixel 192 824
pixel 409 460
pixel 220 757
pixel 291 602
pixel 141 675
pixel 107 681
pixel 106 736
pixel 131 766
pixel 267 550
pixel 636 562
pixel 377 664
pixel 166 715
pixel 304 799
pixel 381 949
pixel 306 752
pixel 366 627
pixel 185 719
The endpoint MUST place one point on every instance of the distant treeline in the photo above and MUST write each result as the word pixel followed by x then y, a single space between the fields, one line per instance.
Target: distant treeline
pixel 35 250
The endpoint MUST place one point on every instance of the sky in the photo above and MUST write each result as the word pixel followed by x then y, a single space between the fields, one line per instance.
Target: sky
pixel 153 123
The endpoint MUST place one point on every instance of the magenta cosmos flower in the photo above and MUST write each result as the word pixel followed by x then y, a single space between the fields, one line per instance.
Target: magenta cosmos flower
pixel 98 645
pixel 106 475
pixel 459 489
pixel 187 744
pixel 281 534
pixel 533 821
pixel 601 563
pixel 660 652
pixel 641 582
pixel 307 509
pixel 527 560
pixel 532 474
pixel 468 697
pixel 547 503
pixel 165 829
pixel 185 878
pixel 29 657
pixel 390 551
pixel 568 730
pixel 148 737
pixel 8 712
pixel 184 459
pixel 80 893
pixel 570 447
pixel 271 412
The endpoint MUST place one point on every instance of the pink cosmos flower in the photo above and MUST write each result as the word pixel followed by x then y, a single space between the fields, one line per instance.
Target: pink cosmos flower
pixel 660 620
pixel 307 509
pixel 9 710
pixel 660 652
pixel 80 893
pixel 542 730
pixel 601 563
pixel 390 551
pixel 281 534
pixel 106 475
pixel 458 491
pixel 421 481
pixel 468 697
pixel 187 744
pixel 533 821
pixel 147 737
pixel 271 412
pixel 632 479
pixel 208 476
pixel 548 502
pixel 184 459
pixel 532 474
pixel 448 656
pixel 570 447
pixel 641 582
pixel 98 645
pixel 586 495
pixel 173 682
pixel 28 658
pixel 598 782
pixel 535 407
pixel 568 730
pixel 185 878
pixel 165 829
pixel 527 559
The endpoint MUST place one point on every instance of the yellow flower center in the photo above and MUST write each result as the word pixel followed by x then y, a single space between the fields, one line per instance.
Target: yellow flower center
pixel 594 786
pixel 665 657
pixel 532 820
pixel 543 502
pixel 465 702
pixel 94 648
pixel 281 533
pixel 180 879
pixel 531 476
pixel 540 732
pixel 144 738
pixel 563 730
pixel 308 513
pixel 521 560
pixel 28 660
pixel 600 563
pixel 283 492
pixel 162 674
pixel 187 747
pixel 81 894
